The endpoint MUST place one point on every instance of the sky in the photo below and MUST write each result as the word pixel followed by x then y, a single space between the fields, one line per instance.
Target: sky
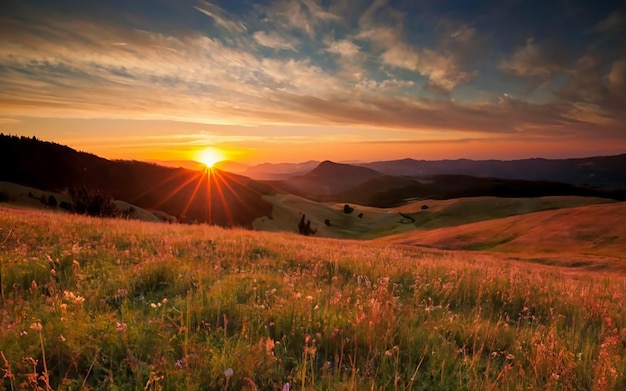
pixel 295 80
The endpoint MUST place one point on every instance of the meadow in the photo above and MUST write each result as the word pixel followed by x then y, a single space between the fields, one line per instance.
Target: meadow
pixel 126 305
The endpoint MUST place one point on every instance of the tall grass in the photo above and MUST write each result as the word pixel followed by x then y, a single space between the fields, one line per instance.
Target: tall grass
pixel 111 304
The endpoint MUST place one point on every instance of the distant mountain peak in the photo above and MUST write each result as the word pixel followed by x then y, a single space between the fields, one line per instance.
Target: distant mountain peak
pixel 335 170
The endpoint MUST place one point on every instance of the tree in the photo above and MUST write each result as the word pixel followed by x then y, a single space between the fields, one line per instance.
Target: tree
pixel 301 225
pixel 305 228
pixel 52 201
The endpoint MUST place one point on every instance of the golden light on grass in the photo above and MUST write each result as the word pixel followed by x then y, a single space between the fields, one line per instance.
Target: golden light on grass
pixel 210 156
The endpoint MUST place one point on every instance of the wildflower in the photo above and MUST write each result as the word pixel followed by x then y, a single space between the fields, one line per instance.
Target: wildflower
pixel 61 338
pixel 153 305
pixel 121 293
pixel 70 296
pixel 286 387
pixel 120 327
pixel 555 376
pixel 36 326
pixel 164 301
pixel 182 363
pixel 510 356
pixel 309 298
pixel 228 372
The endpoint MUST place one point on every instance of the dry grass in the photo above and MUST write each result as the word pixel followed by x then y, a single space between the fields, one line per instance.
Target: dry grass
pixel 592 236
pixel 112 304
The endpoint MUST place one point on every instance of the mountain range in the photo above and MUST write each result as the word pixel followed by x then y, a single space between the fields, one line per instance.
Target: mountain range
pixel 228 199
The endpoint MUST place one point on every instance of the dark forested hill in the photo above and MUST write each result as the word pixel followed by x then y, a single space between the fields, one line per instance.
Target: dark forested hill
pixel 212 196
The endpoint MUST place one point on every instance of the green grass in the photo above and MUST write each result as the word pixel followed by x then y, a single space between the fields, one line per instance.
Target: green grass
pixel 378 222
pixel 121 305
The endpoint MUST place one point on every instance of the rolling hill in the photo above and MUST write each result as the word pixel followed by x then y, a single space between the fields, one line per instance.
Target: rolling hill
pixel 369 222
pixel 390 191
pixel 570 236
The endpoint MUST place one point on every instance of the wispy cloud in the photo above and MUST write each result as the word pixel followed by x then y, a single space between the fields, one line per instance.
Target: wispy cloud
pixel 220 17
pixel 274 40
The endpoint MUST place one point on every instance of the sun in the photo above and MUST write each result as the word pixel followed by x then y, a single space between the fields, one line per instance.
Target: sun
pixel 209 156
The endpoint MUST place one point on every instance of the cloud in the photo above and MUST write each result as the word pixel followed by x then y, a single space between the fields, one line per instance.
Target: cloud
pixel 303 15
pixel 343 48
pixel 588 85
pixel 613 23
pixel 108 70
pixel 443 65
pixel 531 61
pixel 617 78
pixel 274 40
pixel 220 17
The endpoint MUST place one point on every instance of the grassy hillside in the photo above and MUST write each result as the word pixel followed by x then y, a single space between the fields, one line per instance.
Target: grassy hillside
pixel 379 222
pixel 287 211
pixel 114 304
pixel 32 198
pixel 582 233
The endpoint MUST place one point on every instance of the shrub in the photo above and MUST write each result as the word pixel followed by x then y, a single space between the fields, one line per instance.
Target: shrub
pixel 93 202
pixel 424 207
pixel 347 209
pixel 4 196
pixel 327 222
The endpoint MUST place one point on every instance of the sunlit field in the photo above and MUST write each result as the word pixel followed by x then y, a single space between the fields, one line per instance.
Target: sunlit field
pixel 113 304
